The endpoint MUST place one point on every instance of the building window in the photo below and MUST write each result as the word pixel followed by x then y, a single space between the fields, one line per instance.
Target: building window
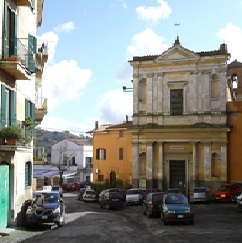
pixel 101 154
pixel 100 177
pixel 73 161
pixel 28 174
pixel 176 102
pixel 121 153
pixel 89 163
pixel 121 133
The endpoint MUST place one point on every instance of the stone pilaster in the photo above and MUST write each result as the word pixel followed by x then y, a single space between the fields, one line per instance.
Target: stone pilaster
pixel 223 163
pixel 161 173
pixel 149 165
pixel 149 93
pixel 135 165
pixel 207 161
pixel 195 166
pixel 135 93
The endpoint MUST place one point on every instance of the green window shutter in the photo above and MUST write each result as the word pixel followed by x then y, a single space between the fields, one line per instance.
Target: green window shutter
pixel 3 106
pixel 26 108
pixel 13 104
pixel 32 45
pixel 13 34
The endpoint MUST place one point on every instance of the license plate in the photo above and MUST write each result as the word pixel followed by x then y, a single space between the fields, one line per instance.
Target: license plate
pixel 217 197
pixel 180 216
pixel 44 216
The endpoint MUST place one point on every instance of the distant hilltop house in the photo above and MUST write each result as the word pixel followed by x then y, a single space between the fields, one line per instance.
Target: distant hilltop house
pixel 72 159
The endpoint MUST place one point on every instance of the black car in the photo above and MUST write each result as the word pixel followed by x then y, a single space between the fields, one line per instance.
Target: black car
pixel 151 204
pixel 112 198
pixel 46 207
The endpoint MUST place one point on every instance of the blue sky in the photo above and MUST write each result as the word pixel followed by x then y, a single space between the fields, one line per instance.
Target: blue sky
pixel 91 41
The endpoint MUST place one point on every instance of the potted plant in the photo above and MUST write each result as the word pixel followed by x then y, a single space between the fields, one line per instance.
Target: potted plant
pixel 11 134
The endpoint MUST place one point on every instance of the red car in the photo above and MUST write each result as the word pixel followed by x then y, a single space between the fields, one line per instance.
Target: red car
pixel 225 193
pixel 73 186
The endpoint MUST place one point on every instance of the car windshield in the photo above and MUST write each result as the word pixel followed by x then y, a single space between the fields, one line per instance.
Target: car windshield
pixel 46 198
pixel 176 199
pixel 55 188
pixel 90 192
pixel 130 192
pixel 199 189
pixel 224 188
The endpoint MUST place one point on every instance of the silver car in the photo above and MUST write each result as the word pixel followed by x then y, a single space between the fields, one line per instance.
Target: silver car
pixel 199 194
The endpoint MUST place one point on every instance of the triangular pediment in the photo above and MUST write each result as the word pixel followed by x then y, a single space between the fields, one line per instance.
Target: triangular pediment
pixel 177 52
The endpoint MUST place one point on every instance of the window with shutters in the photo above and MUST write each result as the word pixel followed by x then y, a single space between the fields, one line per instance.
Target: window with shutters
pixel 8 106
pixel 176 102
pixel 101 154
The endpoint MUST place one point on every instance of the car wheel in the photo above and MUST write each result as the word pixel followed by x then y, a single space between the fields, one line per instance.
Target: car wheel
pixel 107 207
pixel 101 206
pixel 165 222
pixel 192 222
pixel 148 214
pixel 228 200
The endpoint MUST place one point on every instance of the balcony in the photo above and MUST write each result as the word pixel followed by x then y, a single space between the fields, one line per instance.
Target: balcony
pixel 15 59
pixel 41 109
pixel 25 3
pixel 21 139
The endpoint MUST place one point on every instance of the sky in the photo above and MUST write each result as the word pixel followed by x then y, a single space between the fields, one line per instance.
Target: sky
pixel 91 41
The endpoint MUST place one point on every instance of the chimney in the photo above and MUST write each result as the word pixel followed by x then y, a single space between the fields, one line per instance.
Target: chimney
pixel 96 125
pixel 127 119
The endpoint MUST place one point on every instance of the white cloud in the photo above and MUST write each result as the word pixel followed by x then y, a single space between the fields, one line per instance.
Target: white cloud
pixel 146 43
pixel 66 27
pixel 232 36
pixel 64 81
pixel 115 105
pixel 154 14
pixel 125 72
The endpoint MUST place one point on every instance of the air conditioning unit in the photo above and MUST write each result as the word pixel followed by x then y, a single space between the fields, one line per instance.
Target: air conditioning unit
pixel 96 171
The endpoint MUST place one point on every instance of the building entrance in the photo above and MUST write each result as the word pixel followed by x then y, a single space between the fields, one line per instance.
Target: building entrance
pixel 177 174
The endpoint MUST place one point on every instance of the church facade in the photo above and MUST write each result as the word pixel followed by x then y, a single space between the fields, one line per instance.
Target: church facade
pixel 179 133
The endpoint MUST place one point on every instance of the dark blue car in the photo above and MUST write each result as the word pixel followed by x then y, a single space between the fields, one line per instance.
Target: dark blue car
pixel 175 208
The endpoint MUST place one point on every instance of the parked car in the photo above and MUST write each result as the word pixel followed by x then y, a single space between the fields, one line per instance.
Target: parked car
pixel 151 204
pixel 134 196
pixel 227 191
pixel 175 208
pixel 57 188
pixel 239 200
pixel 73 186
pixel 81 193
pixel 46 207
pixel 199 194
pixel 112 198
pixel 89 196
